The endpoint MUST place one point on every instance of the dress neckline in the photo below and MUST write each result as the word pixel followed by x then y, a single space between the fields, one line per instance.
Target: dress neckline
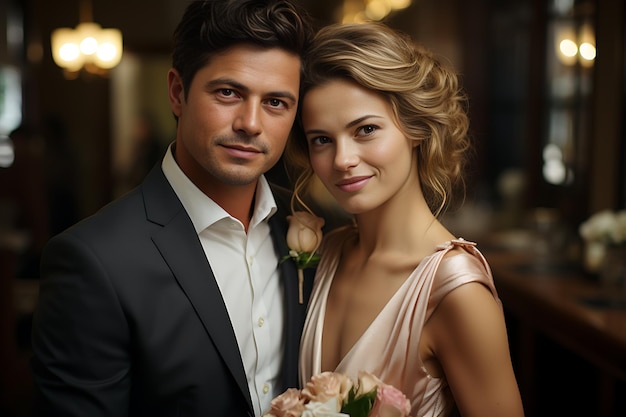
pixel 443 247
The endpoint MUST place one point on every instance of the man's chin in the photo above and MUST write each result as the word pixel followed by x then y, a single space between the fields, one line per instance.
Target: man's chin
pixel 240 177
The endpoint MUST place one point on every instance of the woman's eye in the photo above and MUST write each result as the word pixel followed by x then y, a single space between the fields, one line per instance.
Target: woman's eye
pixel 320 140
pixel 367 130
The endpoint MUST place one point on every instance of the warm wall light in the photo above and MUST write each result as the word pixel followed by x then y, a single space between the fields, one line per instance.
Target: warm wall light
pixel 572 47
pixel 565 42
pixel 568 49
pixel 587 48
pixel 87 46
pixel 368 10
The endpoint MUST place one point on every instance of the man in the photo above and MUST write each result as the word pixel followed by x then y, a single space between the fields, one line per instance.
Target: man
pixel 172 300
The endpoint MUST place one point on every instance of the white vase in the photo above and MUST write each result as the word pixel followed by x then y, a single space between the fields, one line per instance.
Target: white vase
pixel 593 256
pixel 613 270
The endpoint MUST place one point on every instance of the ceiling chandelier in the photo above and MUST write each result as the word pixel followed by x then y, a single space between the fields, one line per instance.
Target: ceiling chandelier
pixel 88 46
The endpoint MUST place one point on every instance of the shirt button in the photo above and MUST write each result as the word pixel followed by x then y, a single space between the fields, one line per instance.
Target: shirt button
pixel 250 259
pixel 266 388
pixel 260 322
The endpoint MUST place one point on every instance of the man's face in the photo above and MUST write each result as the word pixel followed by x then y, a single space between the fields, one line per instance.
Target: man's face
pixel 234 123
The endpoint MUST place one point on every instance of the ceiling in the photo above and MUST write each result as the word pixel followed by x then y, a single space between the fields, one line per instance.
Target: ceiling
pixel 146 24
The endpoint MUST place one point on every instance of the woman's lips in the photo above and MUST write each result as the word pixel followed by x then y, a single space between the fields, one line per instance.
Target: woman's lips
pixel 353 184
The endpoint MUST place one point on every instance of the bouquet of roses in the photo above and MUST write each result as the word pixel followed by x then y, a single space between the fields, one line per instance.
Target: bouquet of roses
pixel 331 394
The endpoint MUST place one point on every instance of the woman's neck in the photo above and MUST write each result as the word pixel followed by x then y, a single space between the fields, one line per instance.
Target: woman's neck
pixel 403 226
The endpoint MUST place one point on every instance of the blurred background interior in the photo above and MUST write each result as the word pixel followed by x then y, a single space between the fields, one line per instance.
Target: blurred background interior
pixel 546 82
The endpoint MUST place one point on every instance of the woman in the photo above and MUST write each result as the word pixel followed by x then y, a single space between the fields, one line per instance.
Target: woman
pixel 384 127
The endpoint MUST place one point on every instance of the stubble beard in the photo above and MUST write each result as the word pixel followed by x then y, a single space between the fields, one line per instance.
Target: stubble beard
pixel 238 171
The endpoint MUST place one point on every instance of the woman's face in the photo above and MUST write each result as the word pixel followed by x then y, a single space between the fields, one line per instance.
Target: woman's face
pixel 355 146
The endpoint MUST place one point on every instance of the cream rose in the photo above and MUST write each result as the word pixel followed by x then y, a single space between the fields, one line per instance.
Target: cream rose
pixel 303 238
pixel 367 383
pixel 327 385
pixel 287 404
pixel 305 232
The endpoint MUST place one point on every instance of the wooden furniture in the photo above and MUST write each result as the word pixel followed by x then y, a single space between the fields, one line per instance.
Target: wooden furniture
pixel 554 310
pixel 15 377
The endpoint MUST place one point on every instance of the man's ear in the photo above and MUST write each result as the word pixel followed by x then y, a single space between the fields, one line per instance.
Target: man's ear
pixel 176 91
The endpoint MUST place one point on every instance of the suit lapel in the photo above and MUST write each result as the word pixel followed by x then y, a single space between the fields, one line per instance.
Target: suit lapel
pixel 180 246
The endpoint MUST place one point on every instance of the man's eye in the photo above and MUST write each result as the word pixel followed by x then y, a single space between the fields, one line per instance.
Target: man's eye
pixel 226 92
pixel 274 102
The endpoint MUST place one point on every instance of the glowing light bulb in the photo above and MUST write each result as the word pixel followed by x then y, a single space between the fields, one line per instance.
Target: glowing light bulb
pixel 89 45
pixel 69 52
pixel 568 48
pixel 588 51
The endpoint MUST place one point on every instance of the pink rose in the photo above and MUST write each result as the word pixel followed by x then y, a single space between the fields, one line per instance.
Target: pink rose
pixel 288 404
pixel 327 385
pixel 390 402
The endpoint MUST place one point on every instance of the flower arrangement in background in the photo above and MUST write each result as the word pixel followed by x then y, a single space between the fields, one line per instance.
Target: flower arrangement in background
pixel 304 237
pixel 605 226
pixel 603 229
pixel 332 394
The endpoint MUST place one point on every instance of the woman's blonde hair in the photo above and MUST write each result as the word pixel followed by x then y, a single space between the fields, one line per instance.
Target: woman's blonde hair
pixel 424 94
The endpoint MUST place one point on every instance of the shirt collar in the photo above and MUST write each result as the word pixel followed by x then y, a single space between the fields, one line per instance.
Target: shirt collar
pixel 202 210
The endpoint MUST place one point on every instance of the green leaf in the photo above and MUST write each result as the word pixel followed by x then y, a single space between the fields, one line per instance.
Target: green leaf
pixel 303 260
pixel 361 406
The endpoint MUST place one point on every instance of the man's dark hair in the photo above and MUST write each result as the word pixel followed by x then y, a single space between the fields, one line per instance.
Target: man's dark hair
pixel 211 26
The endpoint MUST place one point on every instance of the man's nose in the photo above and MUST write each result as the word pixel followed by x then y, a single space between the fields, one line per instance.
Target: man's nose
pixel 248 119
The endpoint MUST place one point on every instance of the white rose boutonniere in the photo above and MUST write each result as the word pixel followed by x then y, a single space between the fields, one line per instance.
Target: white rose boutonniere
pixel 304 237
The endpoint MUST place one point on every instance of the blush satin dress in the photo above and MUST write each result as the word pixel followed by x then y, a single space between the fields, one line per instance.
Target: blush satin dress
pixel 389 346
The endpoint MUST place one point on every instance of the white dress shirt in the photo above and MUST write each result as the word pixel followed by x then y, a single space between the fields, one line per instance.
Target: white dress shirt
pixel 246 269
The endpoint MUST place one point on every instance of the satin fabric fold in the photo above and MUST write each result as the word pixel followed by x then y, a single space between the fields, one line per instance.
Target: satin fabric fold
pixel 389 346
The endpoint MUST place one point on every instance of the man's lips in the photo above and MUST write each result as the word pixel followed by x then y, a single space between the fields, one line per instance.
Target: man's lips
pixel 353 183
pixel 241 151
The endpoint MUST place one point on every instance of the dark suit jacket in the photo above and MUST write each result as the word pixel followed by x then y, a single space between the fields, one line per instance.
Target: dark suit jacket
pixel 131 322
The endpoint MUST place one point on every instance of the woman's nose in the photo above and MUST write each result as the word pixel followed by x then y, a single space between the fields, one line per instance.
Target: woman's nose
pixel 346 156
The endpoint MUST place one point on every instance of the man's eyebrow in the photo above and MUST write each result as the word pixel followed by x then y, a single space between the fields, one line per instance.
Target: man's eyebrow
pixel 226 82
pixel 240 87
